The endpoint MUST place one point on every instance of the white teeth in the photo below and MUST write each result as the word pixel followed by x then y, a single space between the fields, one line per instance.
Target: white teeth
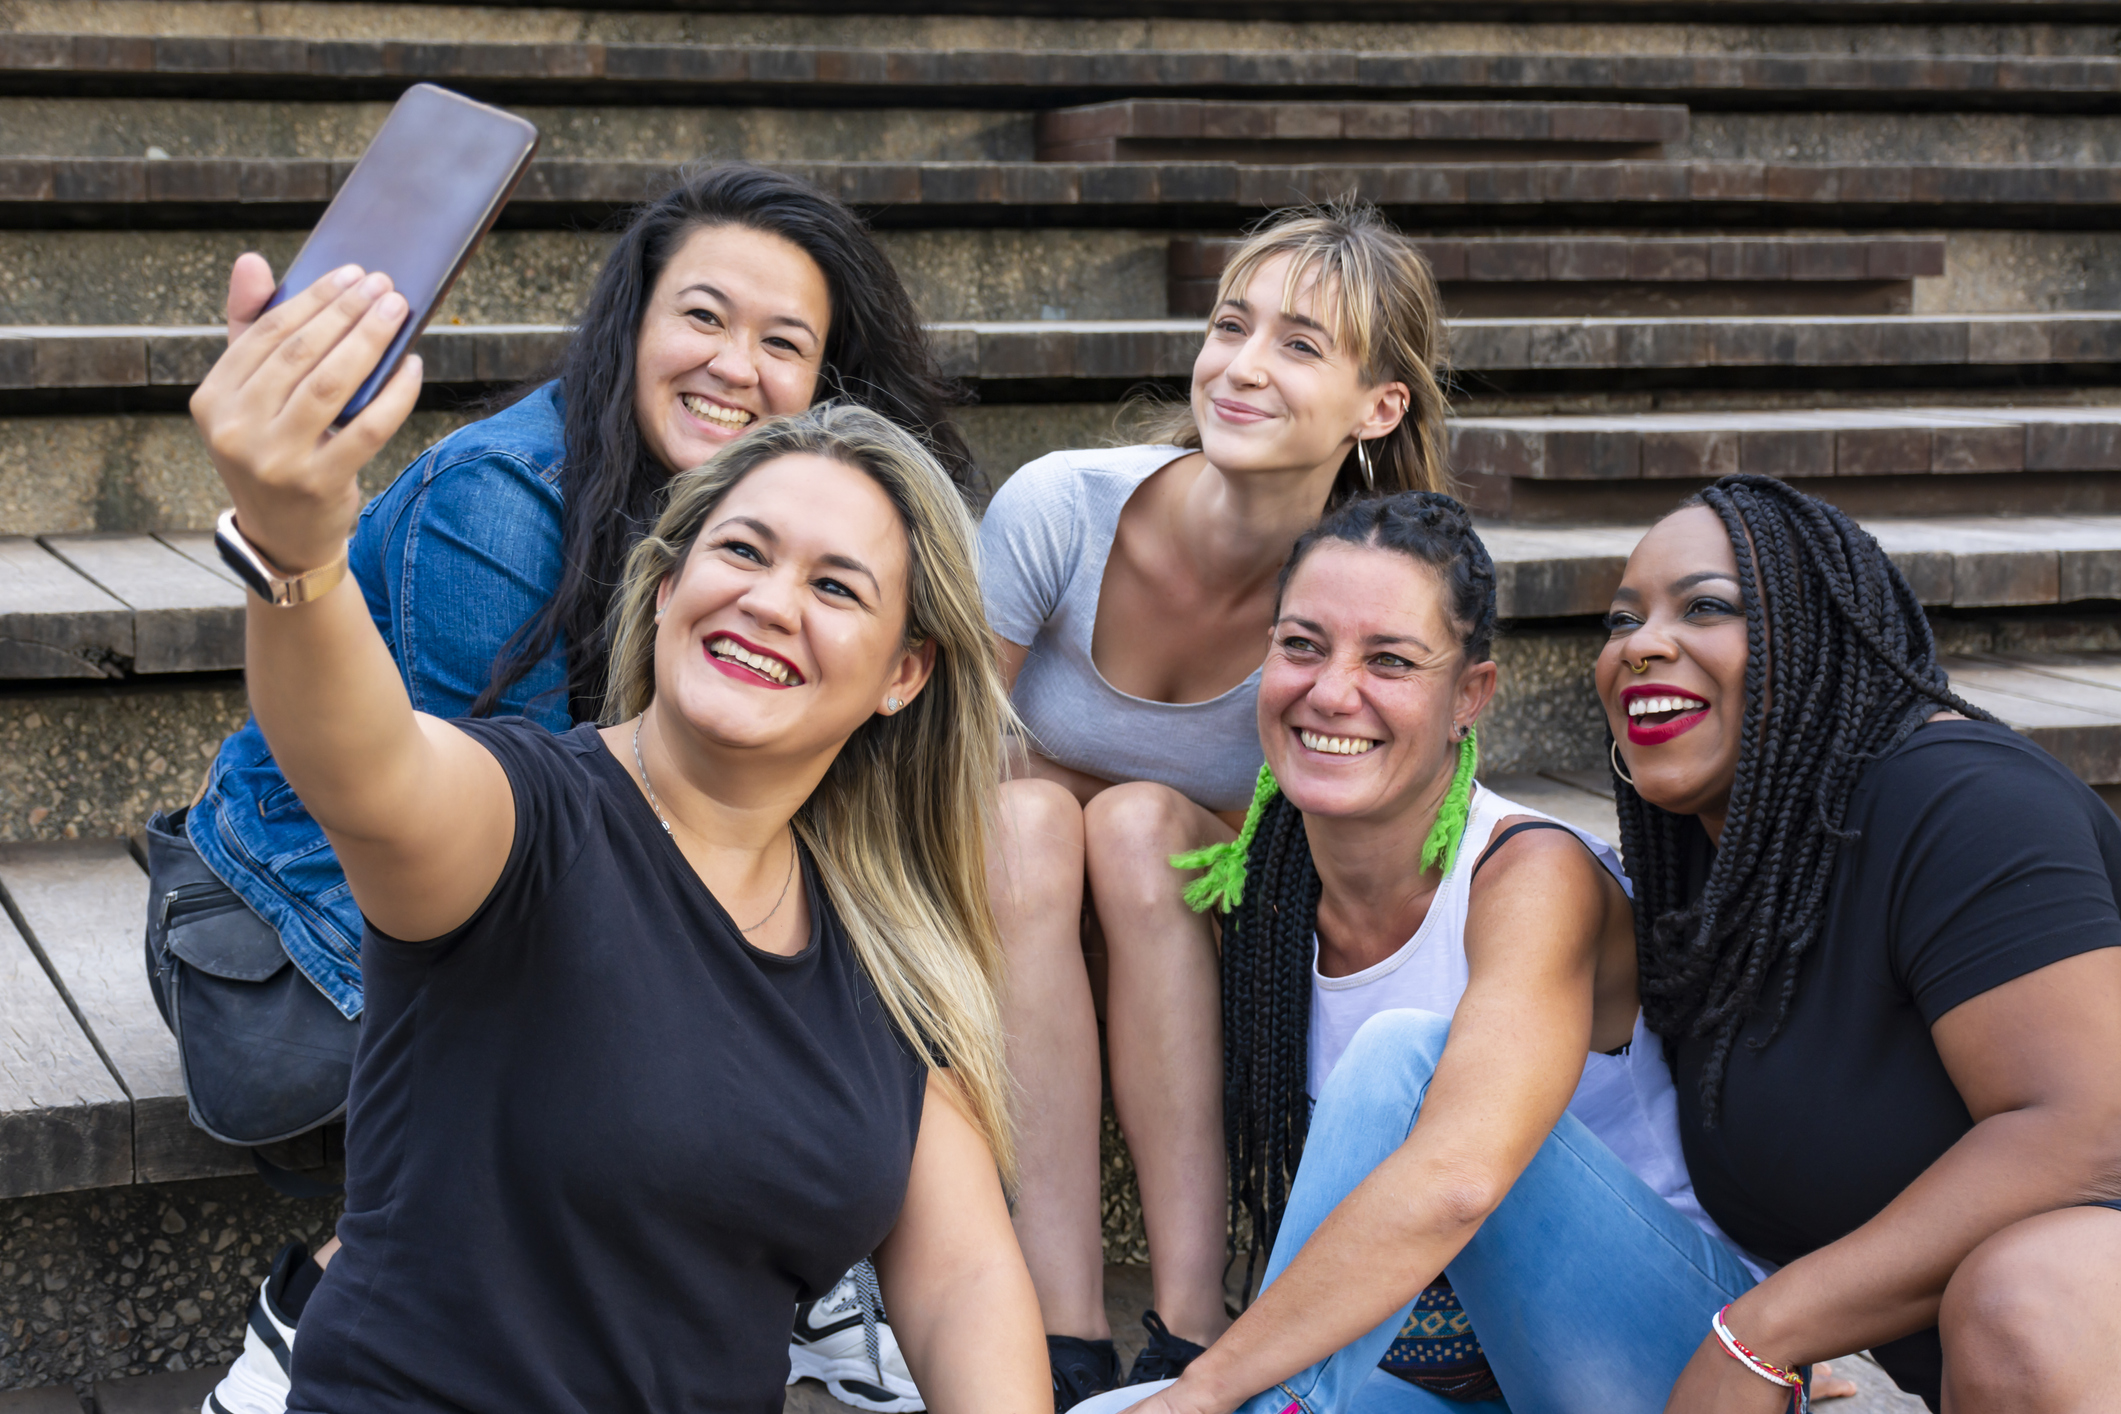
pixel 772 668
pixel 716 413
pixel 1644 706
pixel 1336 745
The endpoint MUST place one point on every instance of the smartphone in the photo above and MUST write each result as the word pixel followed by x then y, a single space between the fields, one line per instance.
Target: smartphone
pixel 416 206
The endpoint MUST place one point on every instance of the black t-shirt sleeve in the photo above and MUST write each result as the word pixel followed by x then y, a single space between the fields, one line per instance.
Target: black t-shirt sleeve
pixel 2004 869
pixel 554 811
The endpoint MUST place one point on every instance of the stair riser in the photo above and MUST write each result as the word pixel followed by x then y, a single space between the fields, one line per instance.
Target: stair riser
pixel 207 127
pixel 540 277
pixel 149 471
pixel 562 25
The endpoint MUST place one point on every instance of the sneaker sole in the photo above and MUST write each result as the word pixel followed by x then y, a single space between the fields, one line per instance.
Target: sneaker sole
pixel 867 1391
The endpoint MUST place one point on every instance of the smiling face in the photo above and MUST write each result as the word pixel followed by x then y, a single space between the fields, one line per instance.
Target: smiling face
pixel 784 628
pixel 1364 686
pixel 1679 617
pixel 734 331
pixel 1276 391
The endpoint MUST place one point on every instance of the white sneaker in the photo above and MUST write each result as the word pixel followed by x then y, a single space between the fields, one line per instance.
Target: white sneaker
pixel 841 1338
pixel 257 1382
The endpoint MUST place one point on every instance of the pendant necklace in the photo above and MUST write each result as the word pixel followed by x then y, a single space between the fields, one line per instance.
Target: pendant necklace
pixel 661 819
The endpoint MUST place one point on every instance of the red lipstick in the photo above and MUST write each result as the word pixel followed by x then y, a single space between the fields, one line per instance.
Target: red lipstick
pixel 743 672
pixel 1641 733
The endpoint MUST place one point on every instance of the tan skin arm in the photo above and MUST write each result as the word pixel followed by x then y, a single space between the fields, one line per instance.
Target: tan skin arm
pixel 954 1282
pixel 420 816
pixel 1535 936
pixel 2034 1061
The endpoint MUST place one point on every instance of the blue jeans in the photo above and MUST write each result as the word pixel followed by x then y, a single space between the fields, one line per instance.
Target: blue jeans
pixel 1588 1291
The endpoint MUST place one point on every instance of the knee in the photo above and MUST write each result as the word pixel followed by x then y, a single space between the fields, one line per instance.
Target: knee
pixel 1037 859
pixel 2009 1311
pixel 1389 1061
pixel 1130 833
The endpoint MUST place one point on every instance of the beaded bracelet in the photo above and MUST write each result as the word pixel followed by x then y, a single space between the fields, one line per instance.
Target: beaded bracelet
pixel 1767 1370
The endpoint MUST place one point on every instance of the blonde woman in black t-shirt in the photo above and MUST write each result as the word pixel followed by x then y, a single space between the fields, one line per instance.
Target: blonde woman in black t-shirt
pixel 669 1021
pixel 1867 910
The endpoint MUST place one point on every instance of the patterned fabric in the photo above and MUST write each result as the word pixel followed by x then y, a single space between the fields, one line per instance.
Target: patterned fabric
pixel 1437 1349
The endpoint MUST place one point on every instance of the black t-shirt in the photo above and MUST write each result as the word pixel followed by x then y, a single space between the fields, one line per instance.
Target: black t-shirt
pixel 1977 859
pixel 598 1146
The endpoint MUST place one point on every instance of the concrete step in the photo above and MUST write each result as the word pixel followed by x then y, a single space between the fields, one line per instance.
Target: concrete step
pixel 65 612
pixel 1093 358
pixel 1215 65
pixel 90 1091
pixel 1961 562
pixel 1928 460
pixel 1697 11
pixel 208 192
pixel 1630 274
pixel 1178 129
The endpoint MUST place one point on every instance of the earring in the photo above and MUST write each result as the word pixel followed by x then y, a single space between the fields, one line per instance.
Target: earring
pixel 1458 731
pixel 1619 768
pixel 892 704
pixel 1362 454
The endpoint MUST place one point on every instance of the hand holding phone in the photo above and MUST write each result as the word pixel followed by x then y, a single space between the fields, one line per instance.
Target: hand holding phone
pixel 415 208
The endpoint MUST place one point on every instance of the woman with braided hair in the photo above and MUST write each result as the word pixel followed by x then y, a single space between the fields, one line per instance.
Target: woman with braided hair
pixel 1864 907
pixel 1452 977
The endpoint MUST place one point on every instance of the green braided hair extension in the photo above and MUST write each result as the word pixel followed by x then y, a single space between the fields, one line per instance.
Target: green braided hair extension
pixel 1223 886
pixel 1450 827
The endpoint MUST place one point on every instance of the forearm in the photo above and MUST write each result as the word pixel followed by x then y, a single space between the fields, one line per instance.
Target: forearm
pixel 1885 1279
pixel 1375 1252
pixel 332 707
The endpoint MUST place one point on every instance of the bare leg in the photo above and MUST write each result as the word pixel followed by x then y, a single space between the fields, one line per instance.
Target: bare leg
pixel 323 1255
pixel 1037 881
pixel 2032 1318
pixel 1163 1028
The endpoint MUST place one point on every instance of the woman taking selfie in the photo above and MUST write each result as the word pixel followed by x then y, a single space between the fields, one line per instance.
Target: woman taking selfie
pixel 1131 590
pixel 618 978
pixel 1451 978
pixel 1867 910
pixel 489 564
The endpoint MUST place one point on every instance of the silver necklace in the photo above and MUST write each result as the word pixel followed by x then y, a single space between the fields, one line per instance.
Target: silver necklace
pixel 661 819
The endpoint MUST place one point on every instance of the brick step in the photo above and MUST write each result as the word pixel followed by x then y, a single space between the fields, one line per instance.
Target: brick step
pixel 1085 358
pixel 1621 274
pixel 1182 129
pixel 253 66
pixel 1920 459
pixel 196 192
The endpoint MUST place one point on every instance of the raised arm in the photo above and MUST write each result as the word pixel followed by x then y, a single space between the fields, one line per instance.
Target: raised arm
pixel 1516 1051
pixel 421 817
pixel 954 1279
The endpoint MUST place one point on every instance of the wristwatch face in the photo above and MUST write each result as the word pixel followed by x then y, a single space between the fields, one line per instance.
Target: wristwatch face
pixel 238 556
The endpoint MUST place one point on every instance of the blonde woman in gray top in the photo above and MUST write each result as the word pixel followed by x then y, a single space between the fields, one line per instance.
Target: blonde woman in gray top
pixel 1130 591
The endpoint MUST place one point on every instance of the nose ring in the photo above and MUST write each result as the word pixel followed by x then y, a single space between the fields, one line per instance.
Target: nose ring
pixel 1638 669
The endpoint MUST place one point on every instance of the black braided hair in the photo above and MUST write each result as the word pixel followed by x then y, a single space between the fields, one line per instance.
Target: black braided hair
pixel 1267 939
pixel 1840 668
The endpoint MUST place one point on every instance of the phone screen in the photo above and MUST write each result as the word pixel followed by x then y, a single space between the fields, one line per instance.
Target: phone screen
pixel 416 206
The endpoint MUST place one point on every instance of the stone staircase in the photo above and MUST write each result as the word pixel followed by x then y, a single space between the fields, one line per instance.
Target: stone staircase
pixel 1868 247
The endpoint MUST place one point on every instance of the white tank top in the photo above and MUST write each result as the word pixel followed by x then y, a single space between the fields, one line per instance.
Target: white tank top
pixel 1626 1100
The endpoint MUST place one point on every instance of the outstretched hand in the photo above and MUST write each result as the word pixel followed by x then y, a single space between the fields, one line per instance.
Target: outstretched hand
pixel 267 407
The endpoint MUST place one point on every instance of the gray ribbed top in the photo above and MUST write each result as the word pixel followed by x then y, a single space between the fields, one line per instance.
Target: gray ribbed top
pixel 1043 547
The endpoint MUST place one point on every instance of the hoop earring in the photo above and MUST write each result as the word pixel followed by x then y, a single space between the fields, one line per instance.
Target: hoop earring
pixel 1619 768
pixel 1362 454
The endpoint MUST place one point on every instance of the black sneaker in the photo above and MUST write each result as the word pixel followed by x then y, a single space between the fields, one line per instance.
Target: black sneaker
pixel 1165 1357
pixel 1081 1368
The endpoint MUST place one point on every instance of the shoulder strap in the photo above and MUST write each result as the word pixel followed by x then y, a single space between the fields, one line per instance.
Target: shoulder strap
pixel 1504 838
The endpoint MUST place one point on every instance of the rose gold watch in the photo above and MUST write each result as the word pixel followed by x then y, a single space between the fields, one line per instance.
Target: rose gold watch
pixel 267 580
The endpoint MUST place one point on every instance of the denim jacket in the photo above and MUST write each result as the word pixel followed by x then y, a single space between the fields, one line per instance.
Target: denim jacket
pixel 457 555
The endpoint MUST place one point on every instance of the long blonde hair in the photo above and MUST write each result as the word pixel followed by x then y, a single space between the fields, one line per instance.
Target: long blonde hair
pixel 1383 308
pixel 899 825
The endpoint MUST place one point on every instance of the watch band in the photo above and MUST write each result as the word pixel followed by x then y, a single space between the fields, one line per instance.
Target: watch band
pixel 267 580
